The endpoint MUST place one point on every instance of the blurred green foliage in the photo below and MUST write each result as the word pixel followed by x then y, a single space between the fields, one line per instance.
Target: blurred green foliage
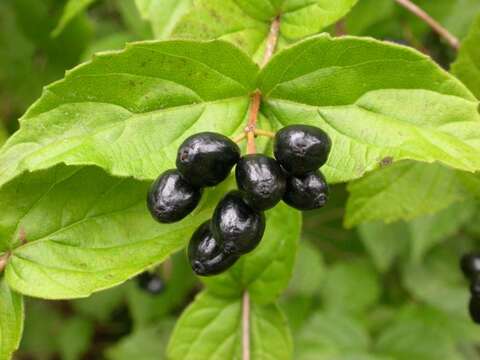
pixel 377 291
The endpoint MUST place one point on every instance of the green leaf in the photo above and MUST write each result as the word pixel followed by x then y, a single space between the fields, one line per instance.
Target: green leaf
pixel 211 328
pixel 75 337
pixel 308 272
pixel 356 89
pixel 395 192
pixel 415 337
pixel 266 271
pixel 246 23
pixel 467 65
pixel 101 305
pixel 128 111
pixel 147 309
pixel 11 320
pixel 146 344
pixel 455 15
pixel 71 10
pixel 438 282
pixel 84 230
pixel 332 336
pixel 163 15
pixel 42 324
pixel 428 231
pixel 3 133
pixel 384 242
pixel 350 287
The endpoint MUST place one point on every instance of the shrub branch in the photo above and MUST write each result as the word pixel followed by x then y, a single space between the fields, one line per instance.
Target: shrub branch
pixel 435 25
pixel 257 96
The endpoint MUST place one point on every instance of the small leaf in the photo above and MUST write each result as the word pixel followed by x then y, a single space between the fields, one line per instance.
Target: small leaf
pixel 211 328
pixel 356 89
pixel 101 305
pixel 309 271
pixel 411 337
pixel 146 344
pixel 76 230
pixel 384 242
pixel 350 287
pixel 163 15
pixel 71 10
pixel 332 336
pixel 304 18
pixel 75 337
pixel 266 271
pixel 128 111
pixel 3 134
pixel 11 320
pixel 428 231
pixel 438 282
pixel 146 309
pixel 467 65
pixel 245 23
pixel 395 192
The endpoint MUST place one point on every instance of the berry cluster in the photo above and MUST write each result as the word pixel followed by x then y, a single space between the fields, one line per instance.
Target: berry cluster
pixel 238 221
pixel 470 265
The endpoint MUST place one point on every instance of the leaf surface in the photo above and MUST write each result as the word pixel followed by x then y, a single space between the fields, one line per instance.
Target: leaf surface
pixel 467 65
pixel 356 89
pixel 245 23
pixel 75 230
pixel 128 111
pixel 211 328
pixel 404 190
pixel 72 9
pixel 11 320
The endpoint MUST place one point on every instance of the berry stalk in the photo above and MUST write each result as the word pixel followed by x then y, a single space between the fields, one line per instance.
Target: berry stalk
pixel 257 96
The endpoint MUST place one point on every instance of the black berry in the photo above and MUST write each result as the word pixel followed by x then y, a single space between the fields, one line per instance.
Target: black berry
pixel 306 192
pixel 301 148
pixel 237 225
pixel 205 253
pixel 206 159
pixel 470 265
pixel 151 283
pixel 171 197
pixel 475 286
pixel 474 308
pixel 261 181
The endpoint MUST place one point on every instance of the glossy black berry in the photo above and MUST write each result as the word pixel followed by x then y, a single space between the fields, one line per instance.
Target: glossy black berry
pixel 151 283
pixel 205 253
pixel 470 265
pixel 474 308
pixel 171 197
pixel 206 159
pixel 237 224
pixel 261 181
pixel 475 286
pixel 306 192
pixel 301 148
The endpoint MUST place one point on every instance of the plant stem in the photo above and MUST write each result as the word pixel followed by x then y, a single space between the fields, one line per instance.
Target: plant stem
pixel 266 133
pixel 4 261
pixel 246 326
pixel 239 137
pixel 435 25
pixel 271 40
pixel 257 96
pixel 252 122
pixel 250 130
